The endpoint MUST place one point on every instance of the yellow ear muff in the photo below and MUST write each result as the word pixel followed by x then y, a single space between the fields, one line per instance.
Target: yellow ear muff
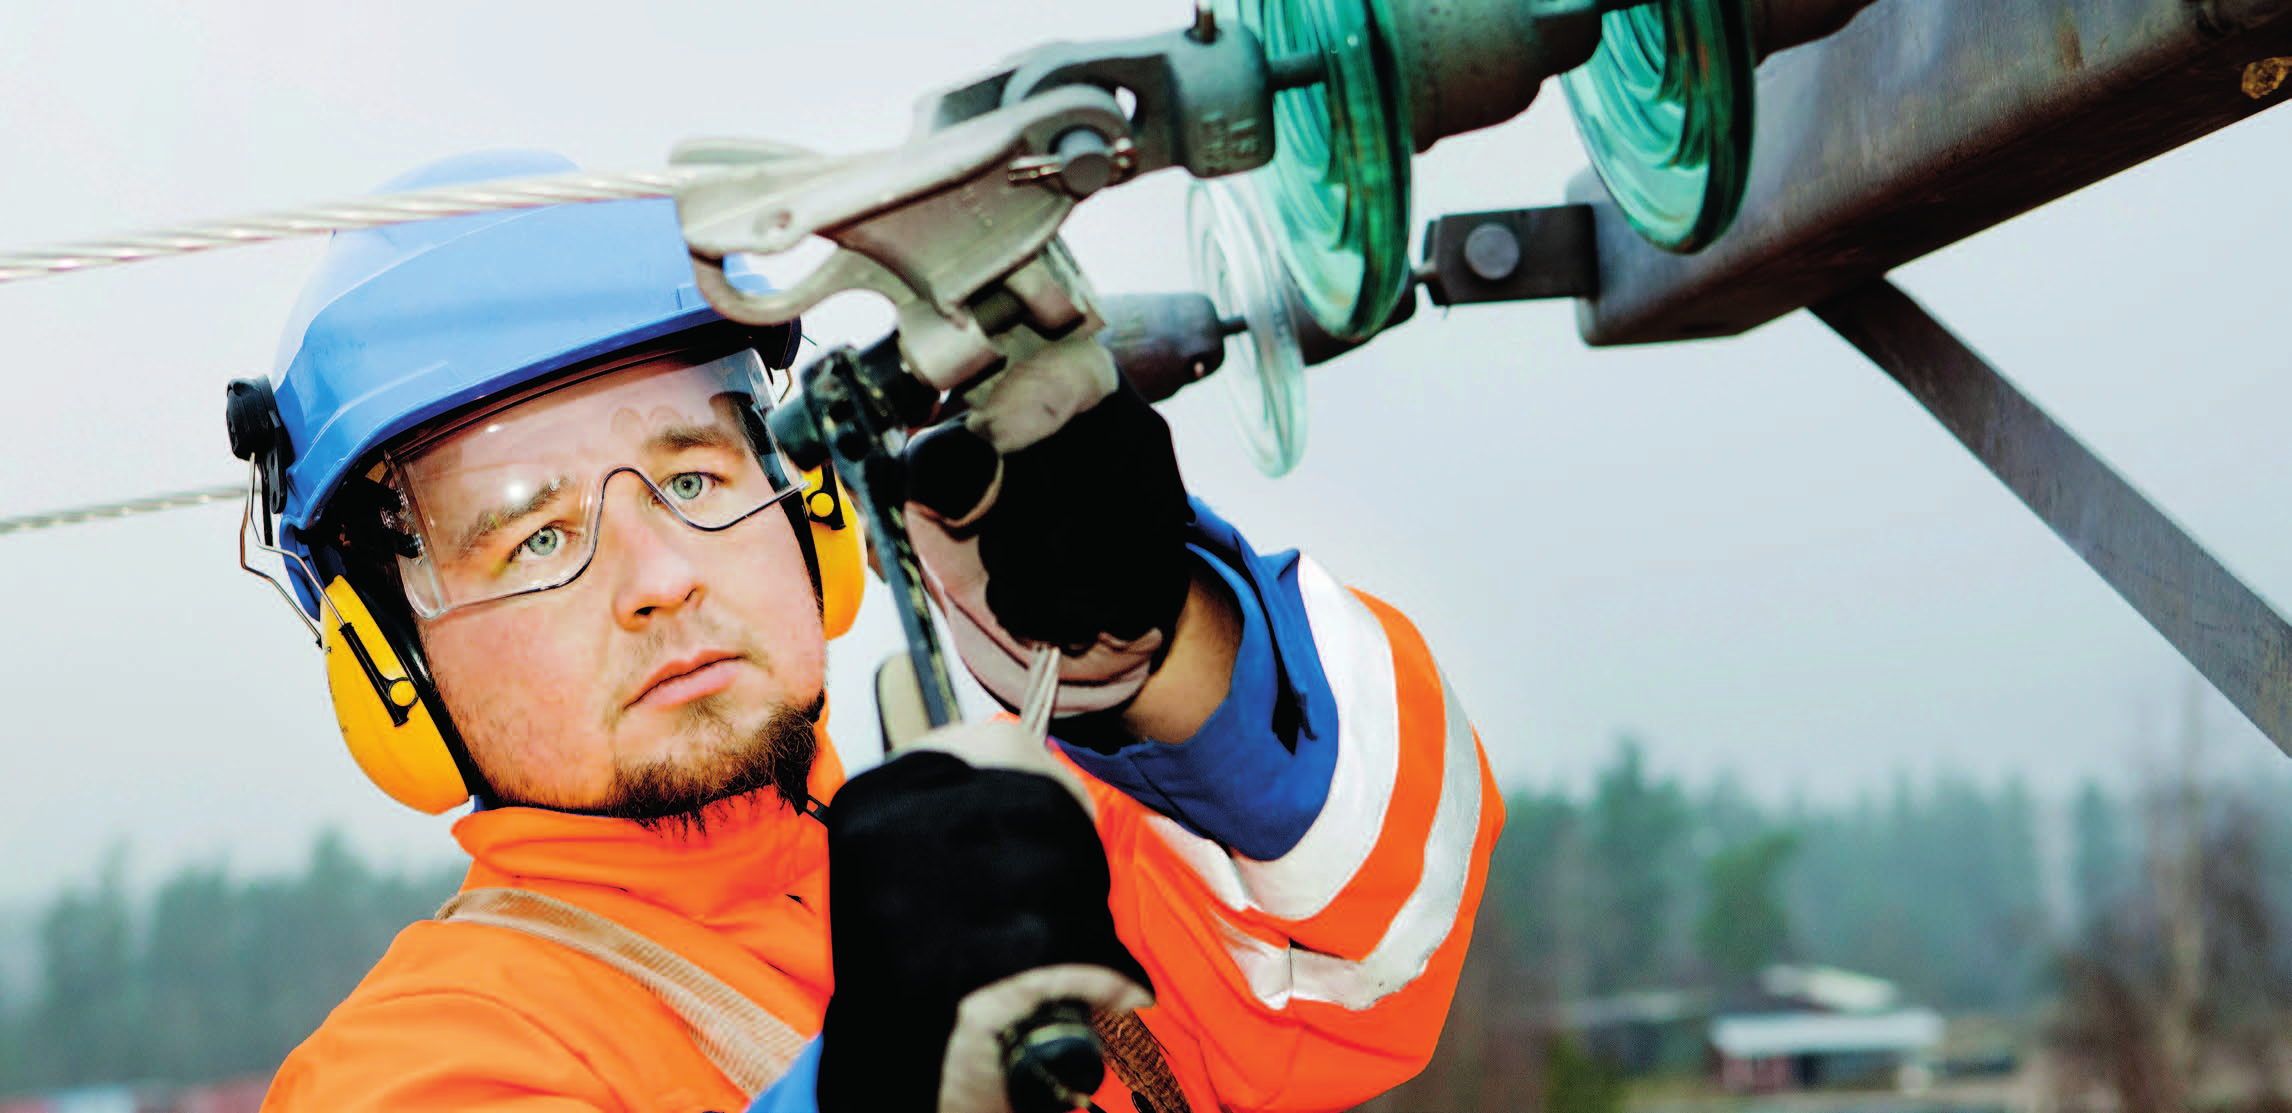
pixel 383 719
pixel 836 545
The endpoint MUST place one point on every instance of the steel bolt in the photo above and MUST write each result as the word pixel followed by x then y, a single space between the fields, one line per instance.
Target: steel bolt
pixel 1085 162
pixel 1492 251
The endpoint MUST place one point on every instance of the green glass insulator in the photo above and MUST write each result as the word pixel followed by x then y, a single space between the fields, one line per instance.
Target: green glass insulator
pixel 1665 108
pixel 1337 190
pixel 1235 266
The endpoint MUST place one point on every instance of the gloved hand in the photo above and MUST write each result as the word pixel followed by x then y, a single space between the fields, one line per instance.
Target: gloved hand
pixel 966 892
pixel 1053 512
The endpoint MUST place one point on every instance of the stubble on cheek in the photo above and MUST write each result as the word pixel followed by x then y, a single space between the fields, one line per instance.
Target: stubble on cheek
pixel 509 735
pixel 536 743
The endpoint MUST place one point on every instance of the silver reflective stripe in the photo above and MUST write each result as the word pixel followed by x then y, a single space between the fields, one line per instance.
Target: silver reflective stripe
pixel 1278 974
pixel 751 1046
pixel 1358 662
pixel 1429 915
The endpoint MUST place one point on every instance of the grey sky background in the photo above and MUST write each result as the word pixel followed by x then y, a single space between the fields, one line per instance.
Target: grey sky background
pixel 1756 554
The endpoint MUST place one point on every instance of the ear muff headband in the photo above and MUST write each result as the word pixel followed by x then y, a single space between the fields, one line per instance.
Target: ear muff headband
pixel 828 527
pixel 836 550
pixel 385 711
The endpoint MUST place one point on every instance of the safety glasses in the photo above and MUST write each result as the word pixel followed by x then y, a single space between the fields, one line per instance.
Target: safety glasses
pixel 512 500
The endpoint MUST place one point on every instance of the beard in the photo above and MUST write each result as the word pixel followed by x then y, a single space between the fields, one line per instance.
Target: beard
pixel 683 796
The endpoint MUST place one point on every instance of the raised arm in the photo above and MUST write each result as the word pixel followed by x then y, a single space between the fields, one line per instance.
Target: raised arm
pixel 1295 808
pixel 1301 875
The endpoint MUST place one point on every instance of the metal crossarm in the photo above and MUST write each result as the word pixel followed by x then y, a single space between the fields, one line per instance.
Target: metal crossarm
pixel 1926 121
pixel 2227 631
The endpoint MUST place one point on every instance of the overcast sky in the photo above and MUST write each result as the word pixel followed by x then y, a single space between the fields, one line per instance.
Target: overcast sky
pixel 1755 554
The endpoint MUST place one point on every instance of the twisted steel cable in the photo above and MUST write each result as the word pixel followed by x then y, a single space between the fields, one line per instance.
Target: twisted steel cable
pixel 365 212
pixel 103 511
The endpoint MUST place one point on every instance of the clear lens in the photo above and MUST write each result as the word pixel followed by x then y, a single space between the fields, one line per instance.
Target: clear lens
pixel 1235 267
pixel 513 499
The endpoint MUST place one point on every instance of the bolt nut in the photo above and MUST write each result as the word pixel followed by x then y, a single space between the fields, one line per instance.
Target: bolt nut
pixel 1492 252
pixel 1085 162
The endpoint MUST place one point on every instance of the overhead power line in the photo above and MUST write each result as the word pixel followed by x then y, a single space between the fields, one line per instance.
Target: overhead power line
pixel 104 511
pixel 315 220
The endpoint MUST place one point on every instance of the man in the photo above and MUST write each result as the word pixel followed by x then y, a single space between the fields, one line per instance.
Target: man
pixel 523 470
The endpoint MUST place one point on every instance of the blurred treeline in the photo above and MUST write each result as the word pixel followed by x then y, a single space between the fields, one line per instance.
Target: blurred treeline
pixel 2161 903
pixel 2175 983
pixel 1935 885
pixel 208 976
pixel 1938 885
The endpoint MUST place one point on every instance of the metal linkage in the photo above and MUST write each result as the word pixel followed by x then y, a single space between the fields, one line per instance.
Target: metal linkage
pixel 341 216
pixel 957 227
pixel 126 508
pixel 1926 121
pixel 1515 255
pixel 2227 631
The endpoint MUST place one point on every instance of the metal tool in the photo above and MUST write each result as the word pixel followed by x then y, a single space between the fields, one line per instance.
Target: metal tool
pixel 851 410
pixel 957 229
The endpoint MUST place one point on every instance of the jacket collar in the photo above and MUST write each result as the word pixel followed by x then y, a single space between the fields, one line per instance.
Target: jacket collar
pixel 755 848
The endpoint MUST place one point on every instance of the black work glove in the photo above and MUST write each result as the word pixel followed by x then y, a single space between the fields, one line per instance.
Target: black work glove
pixel 956 889
pixel 1075 538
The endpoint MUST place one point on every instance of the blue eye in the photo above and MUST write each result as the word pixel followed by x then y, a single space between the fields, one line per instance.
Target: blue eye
pixel 687 486
pixel 544 543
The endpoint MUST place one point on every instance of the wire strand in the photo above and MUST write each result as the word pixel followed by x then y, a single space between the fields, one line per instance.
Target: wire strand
pixel 105 511
pixel 341 216
pixel 1041 691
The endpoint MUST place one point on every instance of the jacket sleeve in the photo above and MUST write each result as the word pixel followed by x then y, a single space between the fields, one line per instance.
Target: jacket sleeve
pixel 1301 877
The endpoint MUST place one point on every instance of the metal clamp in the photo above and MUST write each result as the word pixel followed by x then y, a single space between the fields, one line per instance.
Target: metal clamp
pixel 1204 95
pixel 940 226
pixel 957 227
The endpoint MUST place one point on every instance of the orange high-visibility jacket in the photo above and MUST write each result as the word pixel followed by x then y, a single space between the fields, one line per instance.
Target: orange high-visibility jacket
pixel 1314 980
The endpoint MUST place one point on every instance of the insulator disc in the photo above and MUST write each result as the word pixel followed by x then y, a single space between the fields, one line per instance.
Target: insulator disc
pixel 1235 267
pixel 1665 108
pixel 1337 191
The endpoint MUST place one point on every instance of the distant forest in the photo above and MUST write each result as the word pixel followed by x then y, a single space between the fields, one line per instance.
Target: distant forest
pixel 2167 958
pixel 206 977
pixel 1641 884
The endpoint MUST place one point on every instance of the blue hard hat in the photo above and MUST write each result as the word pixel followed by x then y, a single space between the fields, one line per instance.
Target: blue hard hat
pixel 405 323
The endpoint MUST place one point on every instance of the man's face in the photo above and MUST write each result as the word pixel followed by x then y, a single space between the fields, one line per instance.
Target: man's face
pixel 679 665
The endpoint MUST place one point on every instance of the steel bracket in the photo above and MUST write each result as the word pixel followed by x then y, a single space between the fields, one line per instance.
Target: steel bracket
pixel 2224 628
pixel 1512 255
